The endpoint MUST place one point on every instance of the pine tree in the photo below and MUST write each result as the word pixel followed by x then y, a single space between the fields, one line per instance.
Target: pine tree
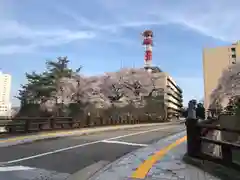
pixel 43 86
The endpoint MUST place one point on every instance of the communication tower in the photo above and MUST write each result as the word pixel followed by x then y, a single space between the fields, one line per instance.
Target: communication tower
pixel 148 43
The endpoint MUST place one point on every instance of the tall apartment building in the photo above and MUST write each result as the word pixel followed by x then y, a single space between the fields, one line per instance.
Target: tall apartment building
pixel 172 92
pixel 5 89
pixel 215 61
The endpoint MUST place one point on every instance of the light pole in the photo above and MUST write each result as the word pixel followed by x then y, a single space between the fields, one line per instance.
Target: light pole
pixel 62 102
pixel 78 89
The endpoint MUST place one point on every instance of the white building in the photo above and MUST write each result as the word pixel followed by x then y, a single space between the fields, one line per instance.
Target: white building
pixel 5 90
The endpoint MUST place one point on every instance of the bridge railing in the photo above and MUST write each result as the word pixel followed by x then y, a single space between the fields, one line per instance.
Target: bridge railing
pixel 34 124
pixel 196 138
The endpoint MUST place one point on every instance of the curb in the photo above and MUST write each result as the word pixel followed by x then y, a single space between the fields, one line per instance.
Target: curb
pixel 107 168
pixel 51 135
pixel 89 171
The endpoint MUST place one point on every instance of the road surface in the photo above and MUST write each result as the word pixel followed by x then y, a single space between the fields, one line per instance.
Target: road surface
pixel 67 155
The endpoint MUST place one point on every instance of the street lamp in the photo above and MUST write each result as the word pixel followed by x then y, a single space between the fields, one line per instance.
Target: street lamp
pixel 62 102
pixel 78 89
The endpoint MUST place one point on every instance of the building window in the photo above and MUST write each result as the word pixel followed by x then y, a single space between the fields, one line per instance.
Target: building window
pixel 233 49
pixel 234 56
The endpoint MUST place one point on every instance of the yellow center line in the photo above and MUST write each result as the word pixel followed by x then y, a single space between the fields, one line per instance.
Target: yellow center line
pixel 144 168
pixel 35 136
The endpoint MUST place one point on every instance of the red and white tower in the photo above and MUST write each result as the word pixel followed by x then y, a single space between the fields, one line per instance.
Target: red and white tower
pixel 148 43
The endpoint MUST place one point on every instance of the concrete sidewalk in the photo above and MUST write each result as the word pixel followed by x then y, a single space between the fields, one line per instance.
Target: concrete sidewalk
pixel 9 141
pixel 160 161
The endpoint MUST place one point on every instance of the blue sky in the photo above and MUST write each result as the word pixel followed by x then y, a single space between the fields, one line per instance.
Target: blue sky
pixel 100 34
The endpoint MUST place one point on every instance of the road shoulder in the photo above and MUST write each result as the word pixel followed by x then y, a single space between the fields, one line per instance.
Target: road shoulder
pixel 4 142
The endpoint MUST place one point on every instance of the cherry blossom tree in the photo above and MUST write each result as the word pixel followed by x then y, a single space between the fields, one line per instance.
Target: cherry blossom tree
pixel 228 86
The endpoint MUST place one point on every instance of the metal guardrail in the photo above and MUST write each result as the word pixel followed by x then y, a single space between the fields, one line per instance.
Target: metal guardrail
pixel 34 124
pixel 196 137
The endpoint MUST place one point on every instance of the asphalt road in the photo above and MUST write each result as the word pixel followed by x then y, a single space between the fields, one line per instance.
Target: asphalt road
pixel 70 154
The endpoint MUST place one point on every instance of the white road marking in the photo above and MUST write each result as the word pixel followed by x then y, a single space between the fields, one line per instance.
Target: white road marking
pixel 81 145
pixel 15 168
pixel 125 143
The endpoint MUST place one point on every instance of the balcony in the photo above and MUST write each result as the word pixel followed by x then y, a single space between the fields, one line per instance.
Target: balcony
pixel 175 92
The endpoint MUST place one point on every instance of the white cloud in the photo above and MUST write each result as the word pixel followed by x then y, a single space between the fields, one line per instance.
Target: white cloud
pixel 216 18
pixel 36 37
pixel 110 27
pixel 14 49
pixel 109 31
pixel 13 29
